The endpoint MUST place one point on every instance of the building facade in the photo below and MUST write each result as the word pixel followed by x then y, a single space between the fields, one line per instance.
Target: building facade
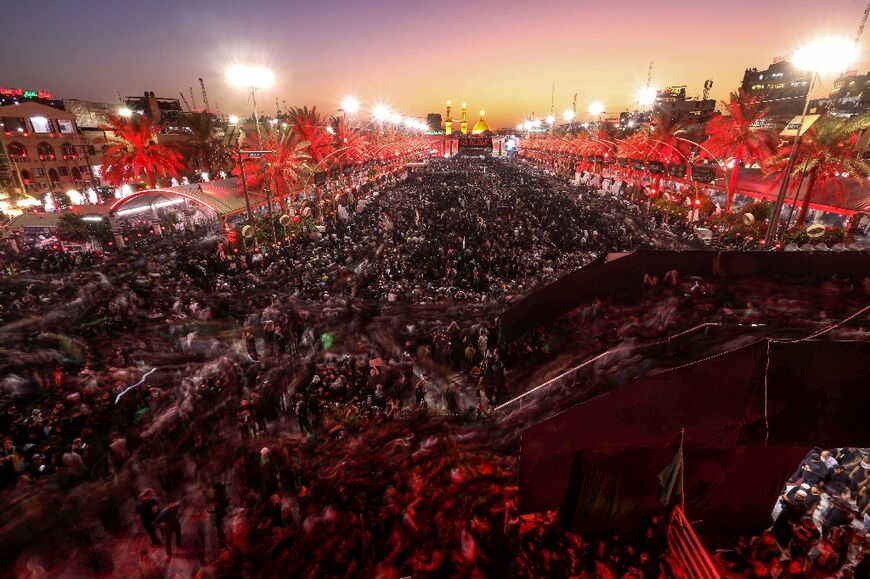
pixel 782 87
pixel 45 151
pixel 672 101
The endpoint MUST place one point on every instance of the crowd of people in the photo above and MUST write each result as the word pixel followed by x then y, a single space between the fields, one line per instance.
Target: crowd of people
pixel 322 408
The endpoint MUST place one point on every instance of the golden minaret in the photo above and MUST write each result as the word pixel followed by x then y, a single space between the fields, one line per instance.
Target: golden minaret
pixel 448 123
pixel 463 126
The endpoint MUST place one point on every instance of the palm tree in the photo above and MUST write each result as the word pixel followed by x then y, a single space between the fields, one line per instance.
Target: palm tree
pixel 735 136
pixel 309 128
pixel 284 168
pixel 350 145
pixel 133 153
pixel 662 143
pixel 204 150
pixel 71 227
pixel 828 157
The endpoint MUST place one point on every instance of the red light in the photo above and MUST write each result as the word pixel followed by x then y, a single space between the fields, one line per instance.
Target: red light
pixel 697 201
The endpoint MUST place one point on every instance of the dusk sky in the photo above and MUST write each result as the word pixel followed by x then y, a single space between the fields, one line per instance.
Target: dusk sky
pixel 410 54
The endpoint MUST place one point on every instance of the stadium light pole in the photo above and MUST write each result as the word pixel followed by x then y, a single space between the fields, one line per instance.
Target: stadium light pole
pixel 824 56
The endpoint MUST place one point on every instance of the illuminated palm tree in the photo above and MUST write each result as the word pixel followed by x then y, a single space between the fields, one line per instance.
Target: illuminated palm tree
pixel 736 136
pixel 310 128
pixel 133 153
pixel 203 149
pixel 350 145
pixel 284 169
pixel 828 156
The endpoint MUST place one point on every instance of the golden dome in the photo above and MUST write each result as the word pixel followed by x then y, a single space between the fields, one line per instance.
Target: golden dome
pixel 480 126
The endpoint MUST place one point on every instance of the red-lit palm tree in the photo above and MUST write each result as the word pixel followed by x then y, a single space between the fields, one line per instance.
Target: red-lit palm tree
pixel 350 145
pixel 133 153
pixel 284 168
pixel 310 128
pixel 736 136
pixel 828 157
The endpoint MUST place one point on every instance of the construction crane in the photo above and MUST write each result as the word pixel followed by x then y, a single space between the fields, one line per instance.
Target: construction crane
pixel 184 100
pixel 204 95
pixel 863 22
pixel 192 98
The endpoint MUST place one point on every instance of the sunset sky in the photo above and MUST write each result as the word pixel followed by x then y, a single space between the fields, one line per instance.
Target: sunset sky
pixel 412 55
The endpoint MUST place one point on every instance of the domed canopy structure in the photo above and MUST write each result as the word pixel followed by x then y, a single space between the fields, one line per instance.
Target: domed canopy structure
pixel 480 126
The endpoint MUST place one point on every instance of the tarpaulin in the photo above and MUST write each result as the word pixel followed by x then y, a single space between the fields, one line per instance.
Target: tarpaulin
pixel 744 435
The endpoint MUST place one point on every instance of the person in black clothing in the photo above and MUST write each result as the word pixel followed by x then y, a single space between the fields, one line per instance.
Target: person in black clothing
pixel 220 503
pixel 168 521
pixel 147 510
pixel 812 470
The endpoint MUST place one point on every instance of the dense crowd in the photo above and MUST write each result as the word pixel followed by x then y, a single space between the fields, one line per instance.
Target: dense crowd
pixel 323 408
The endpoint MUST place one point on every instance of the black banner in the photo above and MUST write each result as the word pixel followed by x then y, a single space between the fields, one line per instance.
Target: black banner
pixel 599 158
pixel 656 167
pixel 677 170
pixel 703 173
pixel 623 162
pixel 481 143
pixel 637 165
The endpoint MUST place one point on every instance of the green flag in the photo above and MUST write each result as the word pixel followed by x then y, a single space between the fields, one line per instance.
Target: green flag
pixel 671 478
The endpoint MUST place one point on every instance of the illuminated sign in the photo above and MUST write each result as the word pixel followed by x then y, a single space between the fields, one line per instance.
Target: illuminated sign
pixel 677 170
pixel 475 143
pixel 26 94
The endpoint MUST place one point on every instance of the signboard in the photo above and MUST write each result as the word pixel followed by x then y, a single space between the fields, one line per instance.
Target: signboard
pixel 637 165
pixel 677 170
pixel 476 143
pixel 656 167
pixel 7 175
pixel 791 129
pixel 25 94
pixel 703 173
pixel 623 162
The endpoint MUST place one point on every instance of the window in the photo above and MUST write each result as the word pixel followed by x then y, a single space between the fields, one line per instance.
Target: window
pixel 38 172
pixel 45 151
pixel 17 152
pixel 66 127
pixel 14 125
pixel 76 174
pixel 26 177
pixel 68 151
pixel 40 124
pixel 63 171
pixel 53 176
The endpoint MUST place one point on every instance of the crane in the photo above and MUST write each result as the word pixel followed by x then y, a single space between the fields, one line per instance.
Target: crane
pixel 184 100
pixel 204 95
pixel 192 98
pixel 863 22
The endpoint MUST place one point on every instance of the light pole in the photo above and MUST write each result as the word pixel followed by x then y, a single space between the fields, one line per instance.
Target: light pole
pixel 251 78
pixel 825 56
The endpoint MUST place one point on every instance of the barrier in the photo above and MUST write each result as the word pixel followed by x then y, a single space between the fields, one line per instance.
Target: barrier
pixel 687 548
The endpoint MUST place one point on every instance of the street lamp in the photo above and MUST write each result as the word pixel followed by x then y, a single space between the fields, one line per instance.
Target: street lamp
pixel 596 108
pixel 381 113
pixel 350 105
pixel 568 115
pixel 251 78
pixel 551 119
pixel 646 97
pixel 125 112
pixel 824 56
pixel 234 120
